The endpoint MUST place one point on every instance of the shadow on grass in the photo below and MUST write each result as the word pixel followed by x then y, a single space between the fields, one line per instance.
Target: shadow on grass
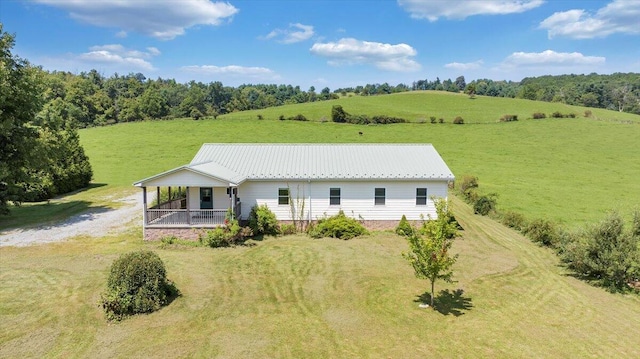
pixel 84 189
pixel 448 302
pixel 50 215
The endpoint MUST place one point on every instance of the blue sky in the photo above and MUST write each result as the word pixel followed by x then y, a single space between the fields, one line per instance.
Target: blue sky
pixel 327 43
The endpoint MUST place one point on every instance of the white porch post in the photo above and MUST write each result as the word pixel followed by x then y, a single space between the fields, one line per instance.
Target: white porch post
pixel 233 202
pixel 144 211
pixel 188 214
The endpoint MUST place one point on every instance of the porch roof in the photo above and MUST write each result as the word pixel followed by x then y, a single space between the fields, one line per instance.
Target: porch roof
pixel 191 175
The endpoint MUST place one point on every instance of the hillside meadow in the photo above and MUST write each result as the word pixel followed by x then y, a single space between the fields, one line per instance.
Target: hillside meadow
pixel 295 297
pixel 568 170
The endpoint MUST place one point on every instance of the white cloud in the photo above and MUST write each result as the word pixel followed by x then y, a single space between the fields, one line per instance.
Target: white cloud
pixel 121 34
pixel 161 19
pixel 232 70
pixel 119 56
pixel 153 51
pixel 464 66
pixel 461 9
pixel 551 58
pixel 349 51
pixel 295 33
pixel 617 17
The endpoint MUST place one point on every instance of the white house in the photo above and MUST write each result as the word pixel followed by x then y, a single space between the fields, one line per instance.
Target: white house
pixel 375 182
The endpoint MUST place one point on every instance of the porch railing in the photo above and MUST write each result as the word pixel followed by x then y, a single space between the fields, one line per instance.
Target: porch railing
pixel 184 217
pixel 179 203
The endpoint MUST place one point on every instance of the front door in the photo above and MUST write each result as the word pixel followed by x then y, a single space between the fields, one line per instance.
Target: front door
pixel 206 198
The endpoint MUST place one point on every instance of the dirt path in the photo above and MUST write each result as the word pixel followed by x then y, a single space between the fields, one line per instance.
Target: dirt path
pixel 97 222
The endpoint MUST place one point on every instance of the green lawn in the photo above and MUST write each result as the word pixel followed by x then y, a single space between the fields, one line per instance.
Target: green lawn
pixel 294 297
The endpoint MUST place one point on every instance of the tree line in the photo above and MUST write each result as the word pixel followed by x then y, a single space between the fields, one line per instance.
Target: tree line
pixel 91 99
pixel 40 152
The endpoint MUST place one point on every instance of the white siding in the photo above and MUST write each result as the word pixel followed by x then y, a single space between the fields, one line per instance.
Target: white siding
pixel 253 193
pixel 194 198
pixel 220 198
pixel 357 198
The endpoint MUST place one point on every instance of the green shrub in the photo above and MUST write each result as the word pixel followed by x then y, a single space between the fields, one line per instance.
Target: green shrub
pixel 339 226
pixel 137 284
pixel 542 231
pixel 557 114
pixel 383 119
pixel 458 121
pixel 404 227
pixel 588 113
pixel 606 253
pixel 288 229
pixel 539 115
pixel 432 119
pixel 338 114
pixel 468 186
pixel 513 220
pixel 217 237
pixel 484 204
pixel 298 117
pixel 225 236
pixel 262 221
pixel 441 120
pixel 169 239
pixel 509 118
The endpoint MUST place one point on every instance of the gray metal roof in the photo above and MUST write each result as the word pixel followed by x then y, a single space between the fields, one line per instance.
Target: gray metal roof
pixel 249 161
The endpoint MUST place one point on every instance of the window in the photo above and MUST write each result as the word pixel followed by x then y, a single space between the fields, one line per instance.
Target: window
pixel 380 196
pixel 421 196
pixel 283 196
pixel 334 196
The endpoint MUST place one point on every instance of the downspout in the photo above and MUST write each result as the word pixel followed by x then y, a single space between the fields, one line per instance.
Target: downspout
pixel 309 212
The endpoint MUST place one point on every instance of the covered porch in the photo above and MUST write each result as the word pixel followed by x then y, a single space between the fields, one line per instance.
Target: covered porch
pixel 187 198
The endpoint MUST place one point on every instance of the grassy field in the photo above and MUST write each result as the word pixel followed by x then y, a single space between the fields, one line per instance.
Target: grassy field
pixel 294 297
pixel 568 170
pixel 417 106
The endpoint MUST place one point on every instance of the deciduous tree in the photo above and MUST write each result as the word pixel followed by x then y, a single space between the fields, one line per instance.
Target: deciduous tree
pixel 429 255
pixel 20 100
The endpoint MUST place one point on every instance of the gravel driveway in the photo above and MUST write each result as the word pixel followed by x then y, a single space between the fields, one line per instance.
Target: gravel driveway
pixel 95 223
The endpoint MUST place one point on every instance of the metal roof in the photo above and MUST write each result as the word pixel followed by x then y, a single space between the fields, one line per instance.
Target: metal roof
pixel 249 161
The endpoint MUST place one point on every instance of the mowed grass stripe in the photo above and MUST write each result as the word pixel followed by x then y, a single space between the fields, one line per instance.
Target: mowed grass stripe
pixel 542 305
pixel 297 297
